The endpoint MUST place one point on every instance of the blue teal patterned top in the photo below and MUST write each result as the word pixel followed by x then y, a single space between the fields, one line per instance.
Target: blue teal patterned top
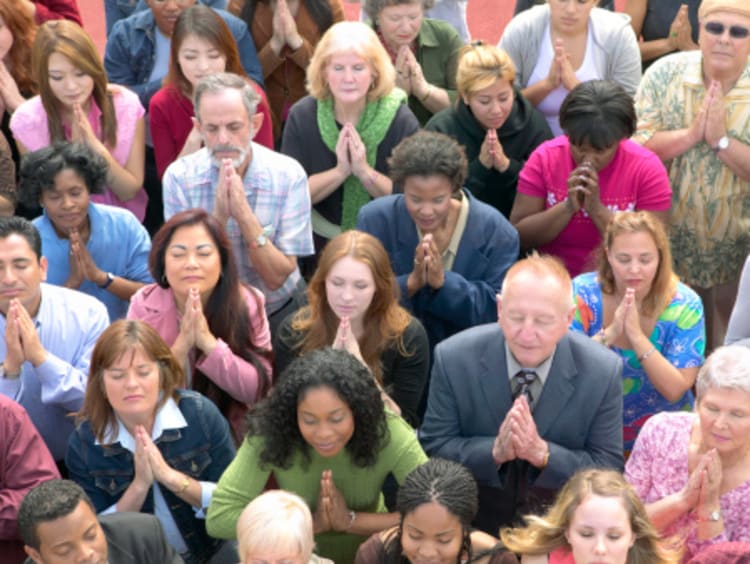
pixel 679 335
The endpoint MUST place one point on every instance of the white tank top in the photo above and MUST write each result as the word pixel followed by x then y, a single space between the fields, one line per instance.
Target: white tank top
pixel 550 105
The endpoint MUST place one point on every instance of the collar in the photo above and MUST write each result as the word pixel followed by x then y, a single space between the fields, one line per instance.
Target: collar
pixel 167 418
pixel 426 36
pixel 542 371
pixel 145 20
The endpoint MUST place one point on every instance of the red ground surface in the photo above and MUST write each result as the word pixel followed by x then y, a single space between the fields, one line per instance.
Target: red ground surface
pixel 487 18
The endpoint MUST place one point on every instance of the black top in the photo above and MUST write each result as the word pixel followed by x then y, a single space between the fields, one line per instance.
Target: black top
pixel 404 376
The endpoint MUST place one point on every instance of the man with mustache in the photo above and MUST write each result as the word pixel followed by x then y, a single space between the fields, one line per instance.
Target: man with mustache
pixel 260 196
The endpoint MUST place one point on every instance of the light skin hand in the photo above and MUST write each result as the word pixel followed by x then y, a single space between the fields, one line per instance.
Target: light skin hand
pixel 11 96
pixel 343 161
pixel 419 84
pixel 194 140
pixel 345 340
pixel 554 76
pixel 503 449
pixel 144 475
pixel 14 356
pixel 202 336
pixel 486 154
pixel 278 39
pixel 221 198
pixel 293 38
pixel 568 76
pixel 716 115
pixel 403 70
pixel 710 489
pixel 617 327
pixel 697 129
pixel 527 443
pixel 239 209
pixel 632 320
pixel 33 351
pixel 357 152
pixel 160 470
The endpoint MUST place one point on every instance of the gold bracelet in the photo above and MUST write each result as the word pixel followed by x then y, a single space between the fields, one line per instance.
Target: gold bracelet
pixel 423 99
pixel 545 462
pixel 603 336
pixel 185 486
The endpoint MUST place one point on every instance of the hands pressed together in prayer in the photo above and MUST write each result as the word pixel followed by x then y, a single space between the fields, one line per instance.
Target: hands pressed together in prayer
pixel 347 341
pixel 709 124
pixel 583 190
pixel 518 438
pixel 681 32
pixel 561 71
pixel 284 29
pixel 194 330
pixel 21 340
pixel 331 513
pixel 491 153
pixel 409 76
pixel 82 265
pixel 428 267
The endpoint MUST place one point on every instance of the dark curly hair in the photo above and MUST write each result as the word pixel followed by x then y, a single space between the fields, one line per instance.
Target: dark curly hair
pixel 275 418
pixel 39 169
pixel 429 153
pixel 445 482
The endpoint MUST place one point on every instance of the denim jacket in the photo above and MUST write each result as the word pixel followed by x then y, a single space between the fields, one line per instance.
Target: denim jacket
pixel 106 471
pixel 116 10
pixel 130 52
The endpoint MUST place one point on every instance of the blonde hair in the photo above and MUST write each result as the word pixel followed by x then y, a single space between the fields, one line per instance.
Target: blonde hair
pixel 275 521
pixel 480 66
pixel 546 533
pixel 357 38
pixel 664 284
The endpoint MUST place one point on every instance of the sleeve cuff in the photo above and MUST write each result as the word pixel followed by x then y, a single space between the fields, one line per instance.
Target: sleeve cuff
pixel 207 493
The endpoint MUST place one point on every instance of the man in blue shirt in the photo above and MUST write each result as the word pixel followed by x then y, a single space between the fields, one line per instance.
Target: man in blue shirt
pixel 49 333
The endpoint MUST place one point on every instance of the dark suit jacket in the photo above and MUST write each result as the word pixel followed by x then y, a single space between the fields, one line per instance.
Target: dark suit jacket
pixel 488 248
pixel 579 412
pixel 135 538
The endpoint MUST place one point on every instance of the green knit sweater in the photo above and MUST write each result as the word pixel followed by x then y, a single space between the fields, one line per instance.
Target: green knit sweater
pixel 244 480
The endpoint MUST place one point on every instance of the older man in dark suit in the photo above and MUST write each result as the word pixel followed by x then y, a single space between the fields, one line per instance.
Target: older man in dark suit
pixel 525 404
pixel 58 524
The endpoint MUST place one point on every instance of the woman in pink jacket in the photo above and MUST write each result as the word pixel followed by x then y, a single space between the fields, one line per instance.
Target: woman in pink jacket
pixel 215 325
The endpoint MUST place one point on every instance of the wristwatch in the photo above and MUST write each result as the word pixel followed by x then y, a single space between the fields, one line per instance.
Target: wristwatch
pixel 259 241
pixel 713 517
pixel 110 279
pixel 722 144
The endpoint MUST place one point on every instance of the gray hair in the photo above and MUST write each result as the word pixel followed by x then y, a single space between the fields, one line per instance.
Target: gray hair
pixel 373 7
pixel 217 83
pixel 727 368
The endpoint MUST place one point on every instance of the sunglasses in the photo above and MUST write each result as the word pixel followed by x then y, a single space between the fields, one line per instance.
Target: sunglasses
pixel 735 31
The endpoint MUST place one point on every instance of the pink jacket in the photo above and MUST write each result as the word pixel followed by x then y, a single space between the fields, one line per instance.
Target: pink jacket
pixel 232 373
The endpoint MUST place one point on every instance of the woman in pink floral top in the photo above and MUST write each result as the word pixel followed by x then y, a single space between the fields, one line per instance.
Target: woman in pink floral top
pixel 692 470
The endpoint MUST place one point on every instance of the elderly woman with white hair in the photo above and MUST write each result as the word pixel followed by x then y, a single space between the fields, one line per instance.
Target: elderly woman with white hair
pixel 277 527
pixel 344 132
pixel 692 470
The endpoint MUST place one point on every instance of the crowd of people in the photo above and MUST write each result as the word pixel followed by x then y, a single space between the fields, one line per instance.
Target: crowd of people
pixel 281 288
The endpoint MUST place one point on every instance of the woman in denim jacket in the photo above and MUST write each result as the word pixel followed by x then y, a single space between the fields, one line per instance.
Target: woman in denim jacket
pixel 143 445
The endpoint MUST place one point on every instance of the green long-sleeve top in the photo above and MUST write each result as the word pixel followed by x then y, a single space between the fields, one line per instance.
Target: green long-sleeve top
pixel 245 479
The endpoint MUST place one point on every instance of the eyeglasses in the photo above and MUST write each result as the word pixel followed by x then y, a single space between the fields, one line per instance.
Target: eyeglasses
pixel 735 31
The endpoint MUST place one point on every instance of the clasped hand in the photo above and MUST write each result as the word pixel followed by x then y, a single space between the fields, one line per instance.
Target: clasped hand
pixel 428 266
pixel 150 465
pixel 491 153
pixel 703 487
pixel 230 199
pixel 331 513
pixel 194 329
pixel 21 339
pixel 583 189
pixel 518 437
pixel 709 123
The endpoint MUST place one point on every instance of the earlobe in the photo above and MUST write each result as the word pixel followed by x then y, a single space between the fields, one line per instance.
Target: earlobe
pixel 33 554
